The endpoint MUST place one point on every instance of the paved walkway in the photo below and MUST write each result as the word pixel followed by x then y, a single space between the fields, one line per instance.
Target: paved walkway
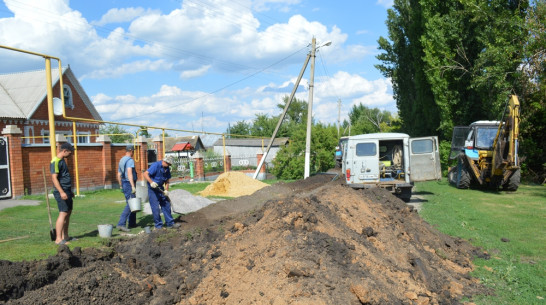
pixel 9 203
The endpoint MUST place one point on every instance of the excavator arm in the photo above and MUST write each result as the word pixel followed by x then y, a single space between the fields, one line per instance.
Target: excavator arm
pixel 505 146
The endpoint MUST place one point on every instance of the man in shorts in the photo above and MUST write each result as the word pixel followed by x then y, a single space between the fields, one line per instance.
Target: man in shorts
pixel 62 192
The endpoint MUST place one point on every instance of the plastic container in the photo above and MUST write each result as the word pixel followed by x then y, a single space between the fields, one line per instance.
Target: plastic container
pixel 105 230
pixel 134 204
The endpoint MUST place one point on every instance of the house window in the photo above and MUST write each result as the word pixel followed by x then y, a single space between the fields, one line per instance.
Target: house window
pixel 29 132
pixel 66 134
pixel 83 137
pixel 68 100
pixel 45 133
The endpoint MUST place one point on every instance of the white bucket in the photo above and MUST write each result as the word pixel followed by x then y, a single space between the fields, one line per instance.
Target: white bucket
pixel 105 230
pixel 134 204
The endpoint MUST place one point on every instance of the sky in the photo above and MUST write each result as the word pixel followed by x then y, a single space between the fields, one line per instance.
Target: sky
pixel 203 65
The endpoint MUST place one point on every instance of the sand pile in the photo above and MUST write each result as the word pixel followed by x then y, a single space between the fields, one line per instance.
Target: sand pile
pixel 233 184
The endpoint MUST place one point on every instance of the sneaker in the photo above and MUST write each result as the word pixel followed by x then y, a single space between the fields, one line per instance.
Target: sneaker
pixel 124 229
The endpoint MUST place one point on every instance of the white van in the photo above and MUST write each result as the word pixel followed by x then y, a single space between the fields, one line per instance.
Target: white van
pixel 390 160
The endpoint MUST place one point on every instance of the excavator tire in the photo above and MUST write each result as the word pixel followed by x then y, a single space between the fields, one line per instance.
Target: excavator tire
pixel 465 179
pixel 460 179
pixel 513 182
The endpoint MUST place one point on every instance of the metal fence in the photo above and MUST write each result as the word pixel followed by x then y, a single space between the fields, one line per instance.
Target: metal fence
pixel 185 168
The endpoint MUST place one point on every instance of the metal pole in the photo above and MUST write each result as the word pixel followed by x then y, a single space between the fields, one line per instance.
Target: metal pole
pixel 338 116
pixel 76 158
pixel 310 111
pixel 49 89
pixel 282 116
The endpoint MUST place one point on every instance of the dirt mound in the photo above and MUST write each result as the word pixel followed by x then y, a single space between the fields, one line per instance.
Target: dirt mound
pixel 314 241
pixel 232 184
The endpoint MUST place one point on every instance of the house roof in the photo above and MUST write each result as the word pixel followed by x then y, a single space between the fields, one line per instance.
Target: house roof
pixel 252 142
pixel 22 93
pixel 184 146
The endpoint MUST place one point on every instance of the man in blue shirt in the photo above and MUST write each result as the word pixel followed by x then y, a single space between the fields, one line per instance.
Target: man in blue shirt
pixel 127 177
pixel 62 192
pixel 158 176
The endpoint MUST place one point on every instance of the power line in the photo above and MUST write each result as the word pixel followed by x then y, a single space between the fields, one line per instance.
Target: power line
pixel 224 87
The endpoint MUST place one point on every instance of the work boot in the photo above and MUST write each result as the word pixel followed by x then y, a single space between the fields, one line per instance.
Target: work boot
pixel 174 226
pixel 122 228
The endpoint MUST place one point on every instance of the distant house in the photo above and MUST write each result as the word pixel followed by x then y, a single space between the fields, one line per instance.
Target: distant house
pixel 183 146
pixel 179 146
pixel 246 149
pixel 23 100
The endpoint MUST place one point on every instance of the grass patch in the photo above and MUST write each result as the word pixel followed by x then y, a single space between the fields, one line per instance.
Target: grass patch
pixel 90 210
pixel 193 188
pixel 510 226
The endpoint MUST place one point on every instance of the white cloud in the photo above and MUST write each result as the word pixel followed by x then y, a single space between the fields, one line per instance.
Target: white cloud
pixel 222 34
pixel 118 15
pixel 195 73
pixel 385 3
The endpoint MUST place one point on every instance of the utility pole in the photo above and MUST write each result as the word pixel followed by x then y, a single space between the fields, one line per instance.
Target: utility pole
pixel 310 111
pixel 310 106
pixel 338 116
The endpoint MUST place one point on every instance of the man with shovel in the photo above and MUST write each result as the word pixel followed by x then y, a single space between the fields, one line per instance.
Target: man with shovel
pixel 127 177
pixel 63 192
pixel 158 176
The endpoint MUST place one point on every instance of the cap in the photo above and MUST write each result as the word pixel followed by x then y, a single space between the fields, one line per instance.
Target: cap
pixel 169 159
pixel 67 146
pixel 129 148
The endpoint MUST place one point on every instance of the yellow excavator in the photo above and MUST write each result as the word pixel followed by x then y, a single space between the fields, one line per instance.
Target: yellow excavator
pixel 487 152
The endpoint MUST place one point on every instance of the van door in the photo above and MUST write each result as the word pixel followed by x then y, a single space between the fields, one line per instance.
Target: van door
pixel 424 159
pixel 364 162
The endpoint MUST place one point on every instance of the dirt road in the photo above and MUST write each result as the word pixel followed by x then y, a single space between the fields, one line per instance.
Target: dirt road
pixel 313 241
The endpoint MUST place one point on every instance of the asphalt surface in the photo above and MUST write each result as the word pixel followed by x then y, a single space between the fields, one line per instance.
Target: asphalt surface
pixel 9 203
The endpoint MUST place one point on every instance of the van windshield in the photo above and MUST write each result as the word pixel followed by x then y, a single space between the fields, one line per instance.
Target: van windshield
pixel 366 149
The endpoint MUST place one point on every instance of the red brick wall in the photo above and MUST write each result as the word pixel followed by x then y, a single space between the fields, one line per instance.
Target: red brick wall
pixel 90 168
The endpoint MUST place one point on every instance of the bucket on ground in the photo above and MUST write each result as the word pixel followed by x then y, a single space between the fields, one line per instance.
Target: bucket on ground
pixel 105 230
pixel 134 204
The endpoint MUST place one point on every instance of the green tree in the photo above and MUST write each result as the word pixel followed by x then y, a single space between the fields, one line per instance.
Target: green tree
pixel 240 128
pixel 263 126
pixel 290 160
pixel 369 120
pixel 116 133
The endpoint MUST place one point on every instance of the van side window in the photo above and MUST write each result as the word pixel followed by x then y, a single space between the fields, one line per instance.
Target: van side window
pixel 421 146
pixel 366 149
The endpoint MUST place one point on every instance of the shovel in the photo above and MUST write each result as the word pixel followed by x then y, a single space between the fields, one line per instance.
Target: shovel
pixel 52 232
pixel 168 199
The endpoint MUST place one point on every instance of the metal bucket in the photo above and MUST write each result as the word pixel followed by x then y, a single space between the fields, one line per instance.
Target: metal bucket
pixel 105 230
pixel 142 190
pixel 134 204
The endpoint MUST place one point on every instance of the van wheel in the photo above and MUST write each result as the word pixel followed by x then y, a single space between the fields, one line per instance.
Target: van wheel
pixel 405 195
pixel 513 182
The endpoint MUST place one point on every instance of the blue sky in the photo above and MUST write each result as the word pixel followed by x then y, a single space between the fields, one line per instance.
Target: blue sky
pixel 204 64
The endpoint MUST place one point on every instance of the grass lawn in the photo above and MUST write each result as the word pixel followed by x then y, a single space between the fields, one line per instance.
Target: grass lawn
pixel 510 226
pixel 90 210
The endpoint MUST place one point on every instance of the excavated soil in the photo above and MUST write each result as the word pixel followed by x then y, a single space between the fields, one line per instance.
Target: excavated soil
pixel 313 241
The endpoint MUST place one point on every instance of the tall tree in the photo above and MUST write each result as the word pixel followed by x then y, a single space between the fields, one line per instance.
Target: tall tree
pixel 403 64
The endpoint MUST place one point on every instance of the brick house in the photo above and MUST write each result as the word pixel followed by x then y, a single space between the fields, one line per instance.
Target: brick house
pixel 23 97
pixel 24 123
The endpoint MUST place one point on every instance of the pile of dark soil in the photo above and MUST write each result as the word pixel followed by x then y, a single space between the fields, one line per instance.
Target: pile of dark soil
pixel 313 241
